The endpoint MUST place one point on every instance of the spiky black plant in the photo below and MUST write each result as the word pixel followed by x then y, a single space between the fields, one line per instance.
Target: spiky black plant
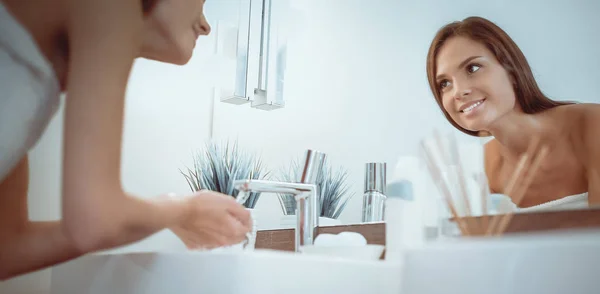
pixel 219 166
pixel 332 186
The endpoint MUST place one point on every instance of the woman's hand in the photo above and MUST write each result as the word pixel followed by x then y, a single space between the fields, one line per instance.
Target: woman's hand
pixel 213 220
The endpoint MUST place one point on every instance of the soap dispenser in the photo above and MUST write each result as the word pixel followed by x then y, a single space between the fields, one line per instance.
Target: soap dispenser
pixel 374 197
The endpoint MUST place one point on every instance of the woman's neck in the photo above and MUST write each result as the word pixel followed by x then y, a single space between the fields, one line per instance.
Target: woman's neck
pixel 515 130
pixel 46 22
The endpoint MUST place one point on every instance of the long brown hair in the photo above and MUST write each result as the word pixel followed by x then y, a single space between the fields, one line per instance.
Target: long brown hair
pixel 528 94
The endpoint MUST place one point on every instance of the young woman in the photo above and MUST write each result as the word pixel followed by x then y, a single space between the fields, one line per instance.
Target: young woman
pixel 86 48
pixel 484 86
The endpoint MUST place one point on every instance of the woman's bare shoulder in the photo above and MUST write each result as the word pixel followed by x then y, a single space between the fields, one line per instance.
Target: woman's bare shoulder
pixel 582 122
pixel 588 121
pixel 577 112
pixel 589 111
pixel 580 118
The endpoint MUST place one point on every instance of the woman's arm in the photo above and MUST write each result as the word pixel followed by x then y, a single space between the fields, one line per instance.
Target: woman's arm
pixel 26 246
pixel 97 214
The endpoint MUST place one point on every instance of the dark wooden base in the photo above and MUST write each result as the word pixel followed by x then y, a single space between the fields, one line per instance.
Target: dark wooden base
pixel 542 221
pixel 284 239
pixel 375 232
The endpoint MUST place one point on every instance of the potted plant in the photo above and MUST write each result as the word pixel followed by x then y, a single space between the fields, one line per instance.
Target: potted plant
pixel 333 193
pixel 219 165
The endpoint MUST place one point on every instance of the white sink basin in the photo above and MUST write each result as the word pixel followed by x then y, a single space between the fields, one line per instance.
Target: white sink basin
pixel 256 272
pixel 560 263
pixel 536 263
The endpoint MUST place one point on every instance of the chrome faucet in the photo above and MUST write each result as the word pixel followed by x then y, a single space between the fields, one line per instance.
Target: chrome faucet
pixel 305 192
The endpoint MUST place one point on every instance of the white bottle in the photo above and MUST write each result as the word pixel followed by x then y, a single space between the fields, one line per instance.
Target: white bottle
pixel 404 215
pixel 395 219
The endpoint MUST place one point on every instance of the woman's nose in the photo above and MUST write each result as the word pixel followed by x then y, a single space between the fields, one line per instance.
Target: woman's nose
pixel 461 91
pixel 204 26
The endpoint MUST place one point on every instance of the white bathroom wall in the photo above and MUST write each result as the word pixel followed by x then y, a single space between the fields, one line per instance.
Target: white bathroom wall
pixel 356 84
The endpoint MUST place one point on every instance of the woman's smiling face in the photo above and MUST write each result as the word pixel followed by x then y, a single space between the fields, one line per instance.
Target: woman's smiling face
pixel 476 90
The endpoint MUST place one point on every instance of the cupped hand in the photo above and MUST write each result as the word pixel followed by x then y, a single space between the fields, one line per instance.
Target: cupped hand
pixel 213 220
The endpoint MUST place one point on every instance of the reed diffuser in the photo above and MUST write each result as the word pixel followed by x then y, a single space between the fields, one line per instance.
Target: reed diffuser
pixel 332 186
pixel 219 165
pixel 446 170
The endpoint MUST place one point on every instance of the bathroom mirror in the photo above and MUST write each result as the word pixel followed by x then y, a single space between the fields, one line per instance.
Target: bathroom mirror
pixel 356 86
